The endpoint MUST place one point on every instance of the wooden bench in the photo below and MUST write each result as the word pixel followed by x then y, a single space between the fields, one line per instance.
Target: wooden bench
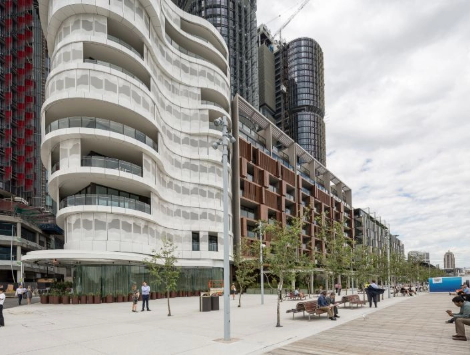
pixel 352 299
pixel 309 307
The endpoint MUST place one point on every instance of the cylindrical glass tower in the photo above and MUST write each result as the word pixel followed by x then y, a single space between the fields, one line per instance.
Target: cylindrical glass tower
pixel 306 95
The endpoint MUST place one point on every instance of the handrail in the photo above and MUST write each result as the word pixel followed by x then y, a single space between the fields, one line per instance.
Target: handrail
pixel 111 163
pixel 104 200
pixel 103 124
pixel 115 67
pixel 125 44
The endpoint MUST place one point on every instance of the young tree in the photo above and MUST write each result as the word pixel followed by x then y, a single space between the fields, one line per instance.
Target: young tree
pixel 163 267
pixel 282 254
pixel 338 257
pixel 246 261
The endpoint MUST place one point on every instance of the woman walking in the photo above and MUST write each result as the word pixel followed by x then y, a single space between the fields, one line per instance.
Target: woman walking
pixel 29 295
pixel 135 297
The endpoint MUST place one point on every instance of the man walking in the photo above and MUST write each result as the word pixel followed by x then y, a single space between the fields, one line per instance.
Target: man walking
pixel 2 299
pixel 145 295
pixel 19 294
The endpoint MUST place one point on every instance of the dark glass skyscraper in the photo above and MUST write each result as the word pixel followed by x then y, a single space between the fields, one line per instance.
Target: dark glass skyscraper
pixel 300 96
pixel 236 22
pixel 23 71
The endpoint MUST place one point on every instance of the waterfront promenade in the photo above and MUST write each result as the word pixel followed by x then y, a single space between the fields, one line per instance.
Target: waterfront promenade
pixel 398 324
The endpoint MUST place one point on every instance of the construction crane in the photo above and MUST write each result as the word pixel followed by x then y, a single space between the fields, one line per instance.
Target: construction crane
pixel 302 5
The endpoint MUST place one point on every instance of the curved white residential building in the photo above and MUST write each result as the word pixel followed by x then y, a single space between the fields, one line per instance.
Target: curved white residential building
pixel 133 89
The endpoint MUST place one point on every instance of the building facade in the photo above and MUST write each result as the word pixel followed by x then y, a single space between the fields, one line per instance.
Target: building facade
pixel 449 261
pixel 23 71
pixel 275 178
pixel 374 233
pixel 300 94
pixel 24 229
pixel 126 134
pixel 236 22
pixel 422 256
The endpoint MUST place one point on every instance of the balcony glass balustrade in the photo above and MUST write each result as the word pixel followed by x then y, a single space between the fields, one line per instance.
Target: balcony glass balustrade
pixel 115 67
pixel 111 163
pixel 104 200
pixel 124 44
pixel 99 123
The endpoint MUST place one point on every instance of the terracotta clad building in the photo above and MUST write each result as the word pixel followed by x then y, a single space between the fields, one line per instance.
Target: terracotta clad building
pixel 275 178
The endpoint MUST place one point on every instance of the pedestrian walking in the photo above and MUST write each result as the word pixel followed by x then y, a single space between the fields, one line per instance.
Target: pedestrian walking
pixel 135 297
pixel 19 294
pixel 338 288
pixel 145 295
pixel 233 291
pixel 373 291
pixel 2 299
pixel 29 295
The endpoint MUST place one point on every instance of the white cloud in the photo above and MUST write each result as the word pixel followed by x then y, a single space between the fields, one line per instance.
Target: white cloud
pixel 398 101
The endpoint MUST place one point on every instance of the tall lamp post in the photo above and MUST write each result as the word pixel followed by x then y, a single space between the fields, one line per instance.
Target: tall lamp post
pixel 261 265
pixel 224 142
pixel 388 260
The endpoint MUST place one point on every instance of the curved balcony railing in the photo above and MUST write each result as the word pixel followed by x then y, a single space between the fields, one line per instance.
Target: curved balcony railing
pixel 111 163
pixel 125 44
pixel 55 167
pixel 104 200
pixel 115 67
pixel 99 123
pixel 182 49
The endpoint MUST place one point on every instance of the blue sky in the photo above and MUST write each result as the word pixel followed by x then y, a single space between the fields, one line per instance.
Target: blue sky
pixel 397 76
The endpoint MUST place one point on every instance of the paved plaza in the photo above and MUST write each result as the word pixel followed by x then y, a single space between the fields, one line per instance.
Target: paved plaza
pixel 413 325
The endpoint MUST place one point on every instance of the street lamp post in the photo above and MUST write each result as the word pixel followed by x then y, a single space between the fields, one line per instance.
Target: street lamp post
pixel 224 142
pixel 261 265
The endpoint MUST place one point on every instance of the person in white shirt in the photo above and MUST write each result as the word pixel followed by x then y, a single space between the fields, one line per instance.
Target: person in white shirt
pixel 2 299
pixel 145 295
pixel 19 294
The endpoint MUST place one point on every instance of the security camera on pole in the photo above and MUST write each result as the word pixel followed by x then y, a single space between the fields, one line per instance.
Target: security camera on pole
pixel 224 142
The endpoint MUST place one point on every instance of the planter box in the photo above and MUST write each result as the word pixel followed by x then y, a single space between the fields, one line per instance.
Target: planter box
pixel 82 299
pixel 44 299
pixel 120 298
pixel 89 299
pixel 66 299
pixel 153 295
pixel 97 299
pixel 129 297
pixel 54 299
pixel 75 300
pixel 172 294
pixel 109 299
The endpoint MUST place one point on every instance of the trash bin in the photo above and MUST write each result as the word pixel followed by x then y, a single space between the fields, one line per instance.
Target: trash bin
pixel 214 303
pixel 205 302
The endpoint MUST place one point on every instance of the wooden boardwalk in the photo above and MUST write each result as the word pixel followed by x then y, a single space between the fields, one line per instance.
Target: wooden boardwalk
pixel 415 326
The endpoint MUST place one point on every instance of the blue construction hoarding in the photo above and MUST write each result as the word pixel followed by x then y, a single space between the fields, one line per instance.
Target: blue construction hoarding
pixel 444 284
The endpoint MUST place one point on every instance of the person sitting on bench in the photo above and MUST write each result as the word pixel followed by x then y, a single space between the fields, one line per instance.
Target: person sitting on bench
pixel 331 301
pixel 324 306
pixel 464 309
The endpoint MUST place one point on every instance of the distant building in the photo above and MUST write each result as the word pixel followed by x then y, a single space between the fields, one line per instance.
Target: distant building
pixel 449 261
pixel 372 232
pixel 419 255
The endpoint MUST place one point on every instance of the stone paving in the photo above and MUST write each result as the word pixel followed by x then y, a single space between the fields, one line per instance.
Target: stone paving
pixel 114 329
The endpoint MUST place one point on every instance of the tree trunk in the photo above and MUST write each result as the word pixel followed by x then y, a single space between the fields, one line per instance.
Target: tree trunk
pixel 279 302
pixel 240 297
pixel 168 301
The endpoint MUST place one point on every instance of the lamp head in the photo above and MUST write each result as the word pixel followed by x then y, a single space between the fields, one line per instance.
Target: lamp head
pixel 218 122
pixel 215 145
pixel 232 139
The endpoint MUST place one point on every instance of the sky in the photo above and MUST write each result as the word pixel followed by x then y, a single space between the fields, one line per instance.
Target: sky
pixel 397 86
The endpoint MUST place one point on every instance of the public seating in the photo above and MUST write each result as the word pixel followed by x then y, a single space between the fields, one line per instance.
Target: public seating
pixel 352 299
pixel 309 307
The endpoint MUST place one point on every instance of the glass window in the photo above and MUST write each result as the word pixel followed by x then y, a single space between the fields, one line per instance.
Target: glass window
pixel 196 241
pixel 213 246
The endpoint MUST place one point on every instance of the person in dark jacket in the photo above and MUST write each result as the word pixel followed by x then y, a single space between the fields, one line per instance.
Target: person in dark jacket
pixel 331 301
pixel 373 291
pixel 323 305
